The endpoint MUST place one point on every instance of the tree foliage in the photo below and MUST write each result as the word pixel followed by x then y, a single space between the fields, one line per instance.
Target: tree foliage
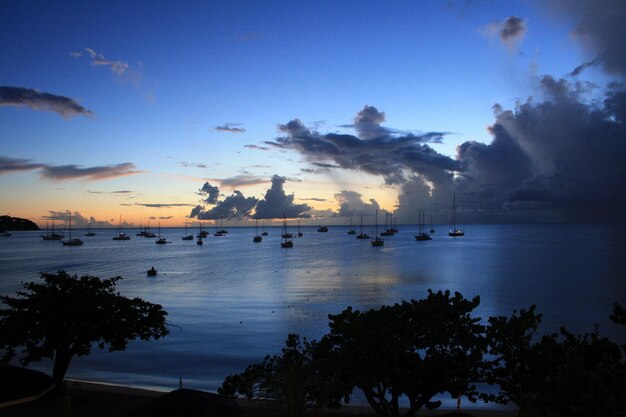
pixel 292 378
pixel 64 315
pixel 558 375
pixel 415 349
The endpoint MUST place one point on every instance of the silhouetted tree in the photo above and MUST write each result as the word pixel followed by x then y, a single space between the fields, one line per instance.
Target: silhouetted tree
pixel 65 315
pixel 559 375
pixel 415 349
pixel 292 378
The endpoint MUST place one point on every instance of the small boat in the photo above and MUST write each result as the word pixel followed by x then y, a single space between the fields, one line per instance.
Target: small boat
pixel 89 232
pixel 322 229
pixel 187 236
pixel 362 235
pixel 70 241
pixel 351 231
pixel 199 241
pixel 422 235
pixel 257 238
pixel 151 272
pixel 219 232
pixel 4 233
pixel 203 233
pixel 299 232
pixel 389 231
pixel 53 235
pixel 377 241
pixel 287 242
pixel 121 235
pixel 454 232
pixel 161 240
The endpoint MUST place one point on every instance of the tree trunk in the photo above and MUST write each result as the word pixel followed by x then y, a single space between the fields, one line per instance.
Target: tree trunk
pixel 62 360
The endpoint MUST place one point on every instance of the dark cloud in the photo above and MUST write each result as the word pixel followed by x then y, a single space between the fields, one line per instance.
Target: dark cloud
pixel 28 97
pixel 10 165
pixel 380 153
pixel 510 31
pixel 72 172
pixel 312 199
pixel 351 204
pixel 561 159
pixel 235 206
pixel 242 180
pixel 211 193
pixel 600 28
pixel 230 128
pixel 276 203
pixel 261 148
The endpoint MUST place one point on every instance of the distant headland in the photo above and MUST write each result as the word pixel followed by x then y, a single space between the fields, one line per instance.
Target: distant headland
pixel 15 223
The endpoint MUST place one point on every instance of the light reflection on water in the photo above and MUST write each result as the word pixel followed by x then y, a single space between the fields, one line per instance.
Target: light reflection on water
pixel 231 301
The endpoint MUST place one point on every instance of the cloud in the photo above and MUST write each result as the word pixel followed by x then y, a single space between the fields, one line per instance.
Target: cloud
pixel 561 159
pixel 72 172
pixel 511 31
pixel 78 220
pixel 600 29
pixel 235 206
pixel 10 165
pixel 276 203
pixel 211 193
pixel 230 128
pixel 192 164
pixel 313 199
pixel 28 97
pixel 162 205
pixel 119 67
pixel 351 204
pixel 375 151
pixel 261 148
pixel 242 180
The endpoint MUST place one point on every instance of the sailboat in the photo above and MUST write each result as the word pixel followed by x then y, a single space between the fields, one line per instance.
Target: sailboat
pixel 219 231
pixel 388 229
pixel 322 229
pixel 161 240
pixel 53 235
pixel 263 233
pixel 362 235
pixel 377 241
pixel 422 235
pixel 351 230
pixel 187 236
pixel 121 235
pixel 89 232
pixel 257 238
pixel 286 242
pixel 70 241
pixel 203 233
pixel 454 232
pixel 299 232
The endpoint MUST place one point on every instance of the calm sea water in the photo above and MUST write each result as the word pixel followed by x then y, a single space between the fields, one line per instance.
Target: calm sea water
pixel 232 301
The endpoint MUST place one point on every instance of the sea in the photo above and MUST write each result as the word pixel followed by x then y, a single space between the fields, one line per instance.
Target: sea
pixel 230 301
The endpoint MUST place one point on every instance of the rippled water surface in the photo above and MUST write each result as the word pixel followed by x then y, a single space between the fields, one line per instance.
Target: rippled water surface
pixel 232 301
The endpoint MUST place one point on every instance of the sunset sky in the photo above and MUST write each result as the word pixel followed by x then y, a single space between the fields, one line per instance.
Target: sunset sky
pixel 241 109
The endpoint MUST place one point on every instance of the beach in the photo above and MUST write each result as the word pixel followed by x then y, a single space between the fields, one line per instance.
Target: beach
pixel 92 399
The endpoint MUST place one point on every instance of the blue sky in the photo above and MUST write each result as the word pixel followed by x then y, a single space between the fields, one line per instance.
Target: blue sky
pixel 157 81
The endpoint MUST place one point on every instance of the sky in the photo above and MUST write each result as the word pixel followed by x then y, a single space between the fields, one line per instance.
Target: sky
pixel 322 111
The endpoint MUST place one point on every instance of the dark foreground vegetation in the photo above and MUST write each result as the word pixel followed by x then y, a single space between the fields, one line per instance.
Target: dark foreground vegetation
pixel 15 223
pixel 399 357
pixel 418 349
